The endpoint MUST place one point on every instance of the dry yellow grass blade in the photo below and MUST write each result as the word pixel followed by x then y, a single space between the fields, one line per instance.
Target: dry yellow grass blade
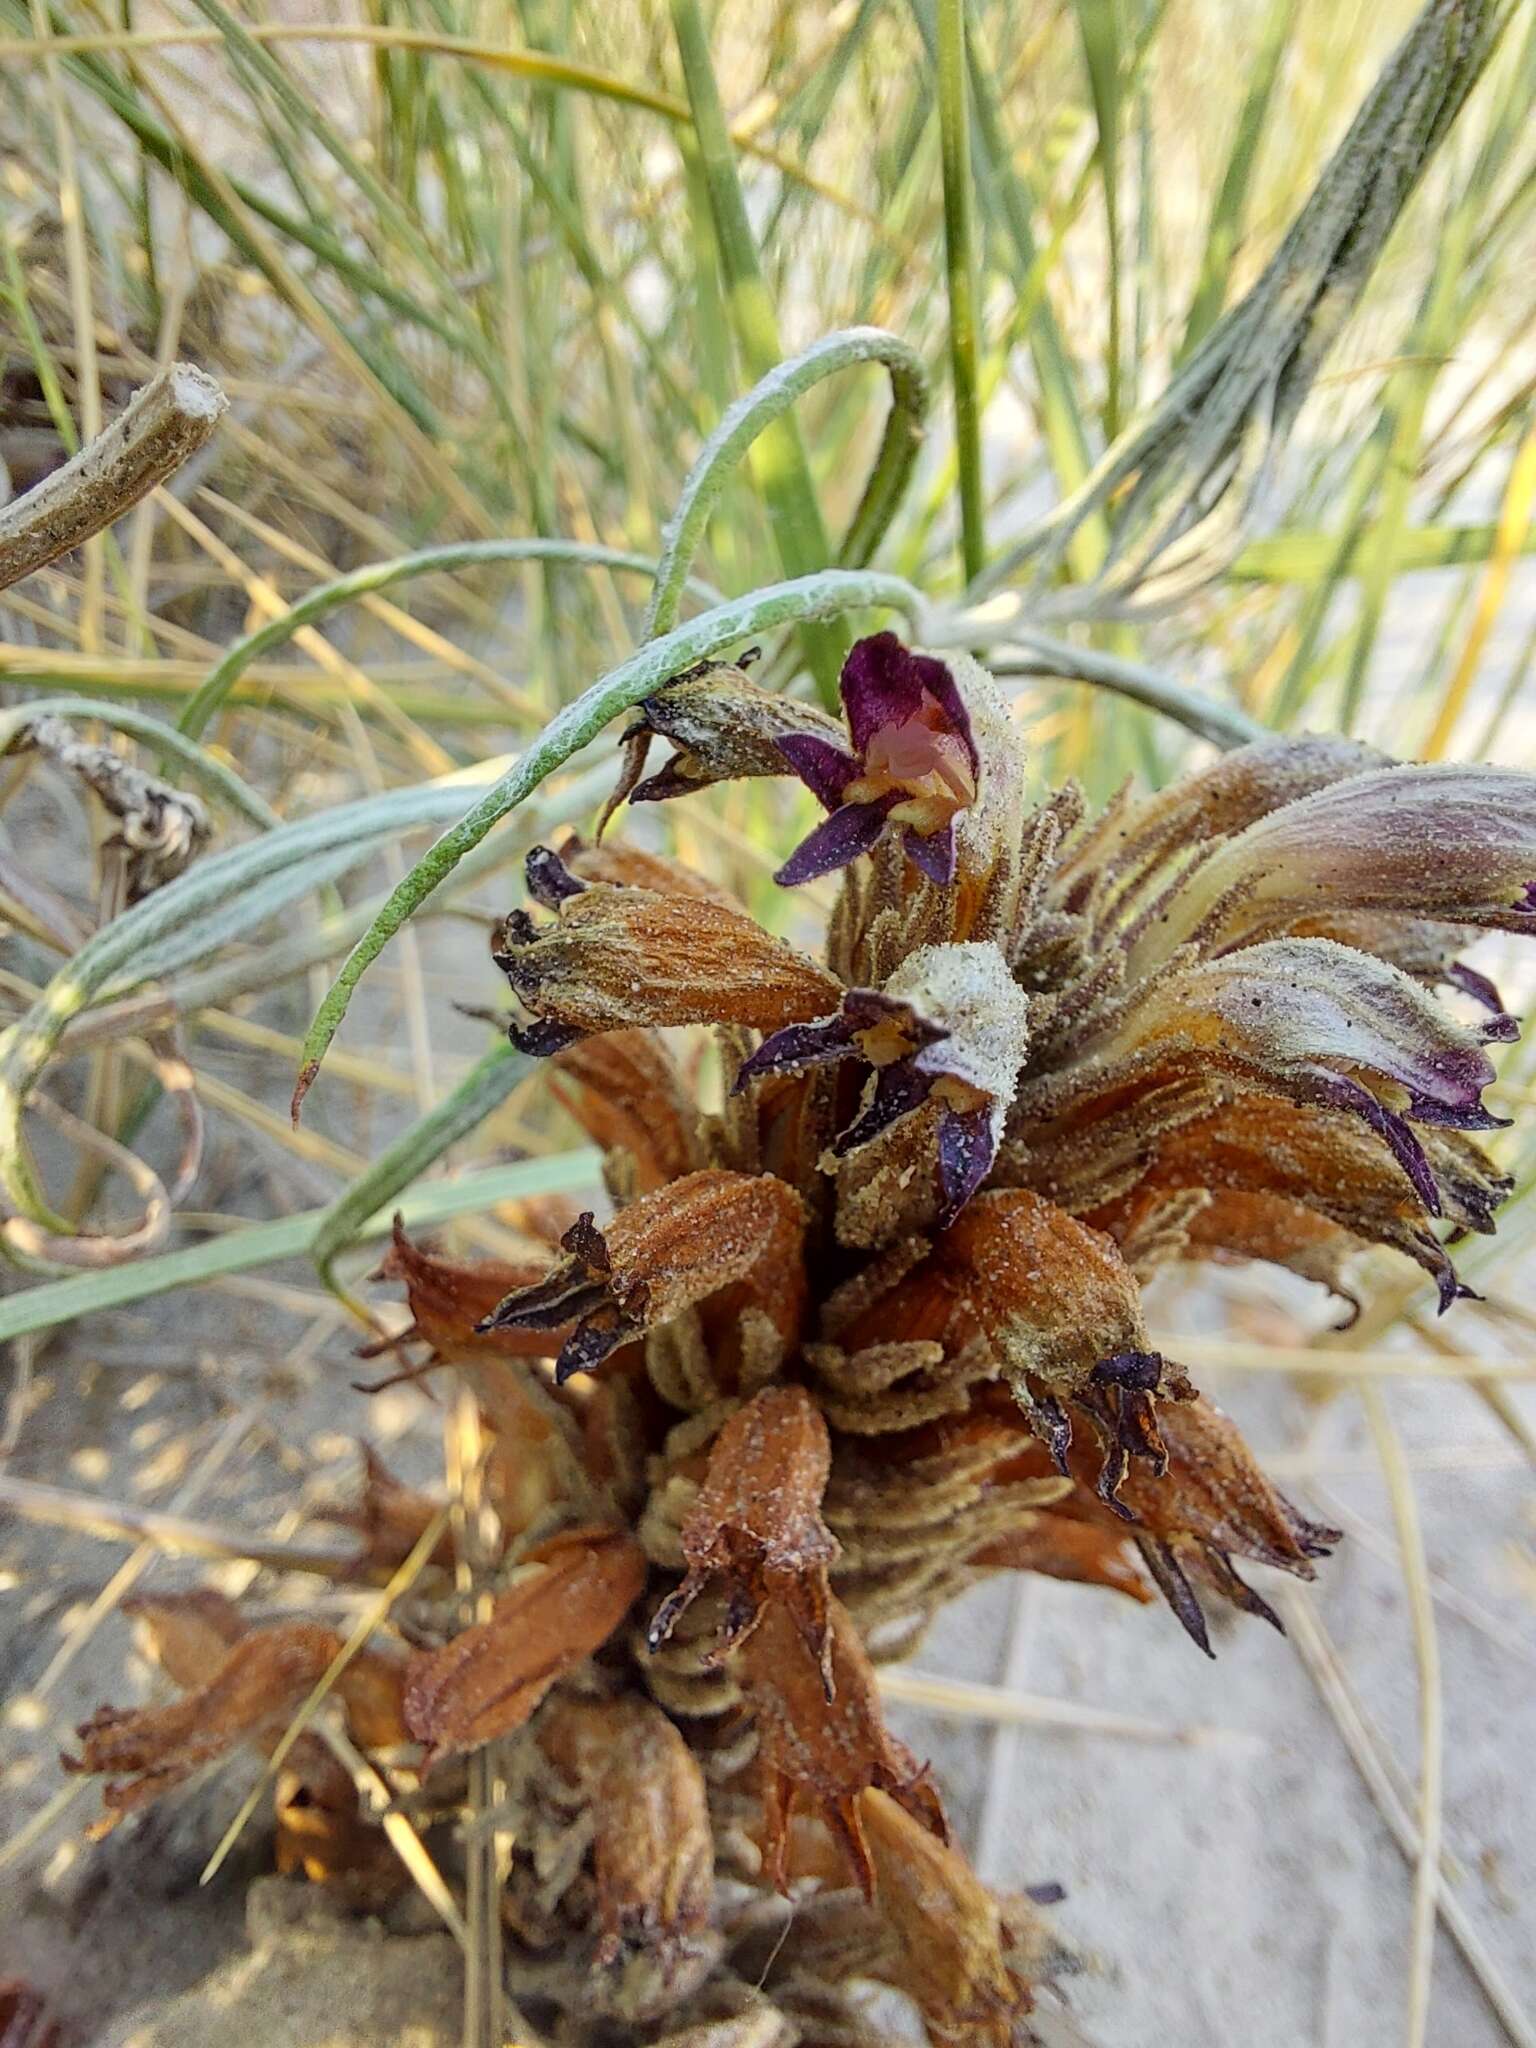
pixel 266 600
pixel 351 1066
pixel 487 1847
pixel 995 1703
pixel 78 262
pixel 437 645
pixel 536 66
pixel 1497 1399
pixel 142 1559
pixel 1515 515
pixel 403 1838
pixel 179 1536
pixel 1426 1643
pixel 1233 1353
pixel 1321 1662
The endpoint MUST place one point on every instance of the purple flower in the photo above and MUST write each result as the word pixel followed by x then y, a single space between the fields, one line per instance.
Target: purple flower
pixel 949 1027
pixel 913 763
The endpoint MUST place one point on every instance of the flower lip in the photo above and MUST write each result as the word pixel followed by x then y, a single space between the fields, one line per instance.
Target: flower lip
pixel 914 763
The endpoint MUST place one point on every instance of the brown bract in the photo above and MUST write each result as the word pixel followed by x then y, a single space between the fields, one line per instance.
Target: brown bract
pixel 950 1941
pixel 652 1851
pixel 626 1092
pixel 825 1746
pixel 188 1633
pixel 263 1677
pixel 756 1527
pixel 448 1298
pixel 390 1517
pixel 24 2021
pixel 636 867
pixel 712 1233
pixel 487 1680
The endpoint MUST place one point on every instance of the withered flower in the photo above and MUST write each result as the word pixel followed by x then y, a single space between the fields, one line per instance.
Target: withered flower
pixel 262 1675
pixel 825 1744
pixel 652 1852
pixel 948 1028
pixel 721 725
pixel 709 1232
pixel 950 1947
pixel 618 956
pixel 756 1527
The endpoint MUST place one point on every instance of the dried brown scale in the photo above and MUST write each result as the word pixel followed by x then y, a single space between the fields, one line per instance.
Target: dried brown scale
pixel 872 1328
pixel 263 1676
pixel 486 1680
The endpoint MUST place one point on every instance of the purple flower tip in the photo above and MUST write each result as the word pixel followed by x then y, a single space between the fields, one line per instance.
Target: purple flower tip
pixel 835 842
pixel 933 852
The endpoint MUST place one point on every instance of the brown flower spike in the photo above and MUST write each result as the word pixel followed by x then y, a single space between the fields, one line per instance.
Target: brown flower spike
pixel 869 1326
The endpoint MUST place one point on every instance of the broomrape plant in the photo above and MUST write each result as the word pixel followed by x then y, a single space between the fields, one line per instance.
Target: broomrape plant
pixel 872 1327
pixel 861 1322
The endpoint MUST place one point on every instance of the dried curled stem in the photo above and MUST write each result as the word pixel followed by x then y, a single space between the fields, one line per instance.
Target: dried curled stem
pixel 159 428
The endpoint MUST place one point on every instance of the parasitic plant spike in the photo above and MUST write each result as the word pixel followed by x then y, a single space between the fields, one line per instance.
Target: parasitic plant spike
pixel 871 1327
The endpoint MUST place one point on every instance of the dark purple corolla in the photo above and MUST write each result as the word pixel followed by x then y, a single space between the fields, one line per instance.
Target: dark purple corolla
pixel 914 763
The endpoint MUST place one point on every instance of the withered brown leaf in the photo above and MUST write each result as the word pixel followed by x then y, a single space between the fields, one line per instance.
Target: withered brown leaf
pixel 949 1952
pixel 626 1092
pixel 713 1233
pixel 190 1633
pixel 264 1676
pixel 617 957
pixel 653 1852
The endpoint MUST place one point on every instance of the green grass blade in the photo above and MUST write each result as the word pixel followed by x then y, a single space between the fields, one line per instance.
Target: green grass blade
pixel 400 1165
pixel 1224 232
pixel 166 740
pixel 960 269
pixel 1061 416
pixel 289 1237
pixel 1306 557
pixel 375 576
pixel 755 414
pixel 1098 24
pixel 778 457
